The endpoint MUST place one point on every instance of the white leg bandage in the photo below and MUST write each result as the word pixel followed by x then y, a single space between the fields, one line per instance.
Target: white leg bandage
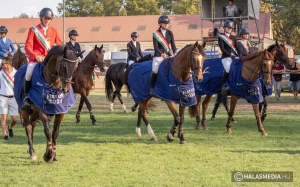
pixel 226 63
pixel 155 64
pixel 29 70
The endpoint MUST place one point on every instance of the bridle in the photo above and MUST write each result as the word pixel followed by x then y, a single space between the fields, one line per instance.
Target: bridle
pixel 94 61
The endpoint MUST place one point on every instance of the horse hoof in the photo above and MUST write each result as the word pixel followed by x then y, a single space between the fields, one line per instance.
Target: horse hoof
pixel 32 157
pixel 183 142
pixel 205 128
pixel 264 134
pixel 78 121
pixel 46 159
pixel 95 123
pixel 133 109
pixel 196 127
pixel 234 121
pixel 154 139
pixel 170 137
pixel 55 161
pixel 229 131
pixel 213 119
pixel 111 109
pixel 126 111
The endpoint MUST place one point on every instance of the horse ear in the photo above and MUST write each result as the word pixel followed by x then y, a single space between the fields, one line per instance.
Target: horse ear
pixel 101 47
pixel 80 53
pixel 18 45
pixel 196 45
pixel 96 47
pixel 204 44
pixel 276 43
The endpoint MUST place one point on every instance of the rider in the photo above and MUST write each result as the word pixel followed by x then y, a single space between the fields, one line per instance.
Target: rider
pixel 7 48
pixel 72 44
pixel 243 45
pixel 134 49
pixel 164 46
pixel 227 44
pixel 39 41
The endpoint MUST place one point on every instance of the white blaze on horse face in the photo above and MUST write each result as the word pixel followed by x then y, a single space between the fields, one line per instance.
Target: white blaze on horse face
pixel 200 59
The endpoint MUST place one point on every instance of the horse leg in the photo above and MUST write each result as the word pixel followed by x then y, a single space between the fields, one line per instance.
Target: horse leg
pixel 198 108
pixel 264 110
pixel 79 109
pixel 259 123
pixel 172 108
pixel 217 104
pixel 89 107
pixel 48 156
pixel 55 133
pixel 180 128
pixel 121 101
pixel 143 114
pixel 111 104
pixel 205 104
pixel 225 104
pixel 29 128
pixel 233 102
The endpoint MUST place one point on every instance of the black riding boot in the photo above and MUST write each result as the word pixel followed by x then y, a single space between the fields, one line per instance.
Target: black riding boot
pixel 26 102
pixel 133 108
pixel 224 90
pixel 152 81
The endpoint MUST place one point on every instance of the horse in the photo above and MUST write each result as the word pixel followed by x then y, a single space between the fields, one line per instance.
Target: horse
pixel 82 82
pixel 187 62
pixel 20 57
pixel 116 76
pixel 58 65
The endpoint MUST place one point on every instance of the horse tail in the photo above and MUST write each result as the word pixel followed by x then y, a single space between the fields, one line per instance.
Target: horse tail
pixel 193 111
pixel 108 85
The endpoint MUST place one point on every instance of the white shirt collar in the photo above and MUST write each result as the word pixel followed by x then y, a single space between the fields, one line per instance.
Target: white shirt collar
pixel 44 29
pixel 227 34
pixel 4 40
pixel 73 43
pixel 134 42
pixel 163 32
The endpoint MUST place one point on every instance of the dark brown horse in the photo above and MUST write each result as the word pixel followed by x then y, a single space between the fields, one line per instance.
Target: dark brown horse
pixel 188 61
pixel 59 66
pixel 20 58
pixel 83 81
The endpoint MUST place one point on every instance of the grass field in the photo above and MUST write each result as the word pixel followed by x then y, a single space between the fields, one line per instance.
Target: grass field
pixel 111 155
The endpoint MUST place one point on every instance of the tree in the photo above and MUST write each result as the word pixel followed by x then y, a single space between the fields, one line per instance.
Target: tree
pixel 166 6
pixel 141 7
pixel 186 7
pixel 23 15
pixel 82 8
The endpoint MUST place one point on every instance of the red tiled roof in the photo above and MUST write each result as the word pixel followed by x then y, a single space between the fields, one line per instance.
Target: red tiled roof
pixel 128 24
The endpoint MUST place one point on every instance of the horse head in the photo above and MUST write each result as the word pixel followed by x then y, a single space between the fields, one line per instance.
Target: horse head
pixel 280 53
pixel 198 58
pixel 99 57
pixel 266 66
pixel 65 67
pixel 20 58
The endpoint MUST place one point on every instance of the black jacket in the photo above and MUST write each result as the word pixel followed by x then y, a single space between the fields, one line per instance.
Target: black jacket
pixel 134 52
pixel 76 48
pixel 225 48
pixel 241 50
pixel 158 49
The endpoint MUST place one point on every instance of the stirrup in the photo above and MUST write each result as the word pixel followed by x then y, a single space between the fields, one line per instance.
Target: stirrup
pixel 224 90
pixel 26 102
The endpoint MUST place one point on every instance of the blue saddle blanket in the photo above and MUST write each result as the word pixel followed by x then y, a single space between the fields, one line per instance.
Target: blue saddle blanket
pixel 212 81
pixel 47 98
pixel 167 87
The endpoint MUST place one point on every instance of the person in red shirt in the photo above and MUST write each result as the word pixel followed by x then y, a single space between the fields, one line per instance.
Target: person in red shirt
pixel 40 40
pixel 277 79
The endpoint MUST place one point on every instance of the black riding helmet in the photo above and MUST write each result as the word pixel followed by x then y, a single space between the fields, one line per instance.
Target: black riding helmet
pixel 134 34
pixel 3 29
pixel 163 19
pixel 46 12
pixel 244 31
pixel 73 32
pixel 228 24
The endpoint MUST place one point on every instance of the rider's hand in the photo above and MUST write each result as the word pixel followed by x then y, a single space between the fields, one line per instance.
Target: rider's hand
pixel 137 59
pixel 5 55
pixel 11 54
pixel 40 58
pixel 175 54
pixel 164 55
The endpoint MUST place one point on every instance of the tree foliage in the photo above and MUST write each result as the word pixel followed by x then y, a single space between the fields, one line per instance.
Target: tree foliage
pixel 22 15
pixel 186 7
pixel 142 7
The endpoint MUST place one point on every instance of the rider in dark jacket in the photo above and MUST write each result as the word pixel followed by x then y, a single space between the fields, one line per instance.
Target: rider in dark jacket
pixel 72 44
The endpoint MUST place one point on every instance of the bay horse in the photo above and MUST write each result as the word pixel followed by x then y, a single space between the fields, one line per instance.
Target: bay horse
pixel 59 66
pixel 279 53
pixel 187 62
pixel 20 57
pixel 82 82
pixel 115 79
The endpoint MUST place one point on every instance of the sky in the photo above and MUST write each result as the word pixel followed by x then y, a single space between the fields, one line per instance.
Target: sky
pixel 13 8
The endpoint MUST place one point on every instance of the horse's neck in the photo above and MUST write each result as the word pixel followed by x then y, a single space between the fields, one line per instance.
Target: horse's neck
pixel 180 67
pixel 251 68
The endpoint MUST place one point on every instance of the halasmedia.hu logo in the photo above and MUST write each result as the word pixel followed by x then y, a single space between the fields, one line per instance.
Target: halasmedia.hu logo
pixel 262 176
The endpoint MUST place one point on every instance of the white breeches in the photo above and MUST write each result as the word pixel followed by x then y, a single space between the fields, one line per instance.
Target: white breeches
pixel 155 64
pixel 29 70
pixel 227 63
pixel 130 62
pixel 0 62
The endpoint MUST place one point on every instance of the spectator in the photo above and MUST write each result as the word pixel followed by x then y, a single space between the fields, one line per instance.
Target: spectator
pixel 6 46
pixel 294 81
pixel 8 104
pixel 277 79
pixel 230 12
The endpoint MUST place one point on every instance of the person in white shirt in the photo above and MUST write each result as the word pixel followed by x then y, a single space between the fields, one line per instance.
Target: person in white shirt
pixel 231 11
pixel 8 104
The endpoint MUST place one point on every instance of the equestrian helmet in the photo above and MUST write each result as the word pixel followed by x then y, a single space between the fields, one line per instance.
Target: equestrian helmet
pixel 134 34
pixel 46 12
pixel 228 24
pixel 3 29
pixel 73 32
pixel 163 19
pixel 244 31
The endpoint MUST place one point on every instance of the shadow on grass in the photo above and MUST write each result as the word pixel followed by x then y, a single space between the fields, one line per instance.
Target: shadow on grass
pixel 290 152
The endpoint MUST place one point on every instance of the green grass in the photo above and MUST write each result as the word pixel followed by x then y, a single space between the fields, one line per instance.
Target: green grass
pixel 111 154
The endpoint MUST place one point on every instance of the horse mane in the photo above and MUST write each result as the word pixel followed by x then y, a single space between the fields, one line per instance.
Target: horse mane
pixel 201 50
pixel 89 56
pixel 252 55
pixel 183 48
pixel 271 47
pixel 56 50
